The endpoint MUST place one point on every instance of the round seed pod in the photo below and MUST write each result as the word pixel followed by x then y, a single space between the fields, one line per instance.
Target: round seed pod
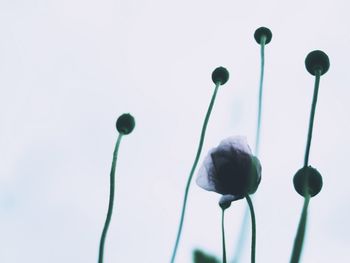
pixel 263 31
pixel 220 76
pixel 308 181
pixel 125 124
pixel 317 60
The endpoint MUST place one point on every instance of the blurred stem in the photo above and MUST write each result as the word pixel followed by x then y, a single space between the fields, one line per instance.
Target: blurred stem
pixel 223 236
pixel 242 234
pixel 111 200
pixel 299 238
pixel 312 115
pixel 242 237
pixel 200 146
pixel 252 215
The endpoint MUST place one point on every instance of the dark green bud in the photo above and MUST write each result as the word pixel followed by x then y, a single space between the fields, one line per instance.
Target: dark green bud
pixel 125 124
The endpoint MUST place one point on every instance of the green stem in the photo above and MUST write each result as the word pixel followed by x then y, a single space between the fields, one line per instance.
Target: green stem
pixel 192 171
pixel 312 115
pixel 262 54
pixel 223 236
pixel 111 200
pixel 299 238
pixel 252 215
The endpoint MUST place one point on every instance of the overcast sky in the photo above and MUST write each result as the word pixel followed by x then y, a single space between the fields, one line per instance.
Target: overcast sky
pixel 69 68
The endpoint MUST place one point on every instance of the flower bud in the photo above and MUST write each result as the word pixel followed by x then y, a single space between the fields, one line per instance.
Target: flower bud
pixel 226 200
pixel 230 169
pixel 220 76
pixel 308 181
pixel 263 31
pixel 317 60
pixel 125 124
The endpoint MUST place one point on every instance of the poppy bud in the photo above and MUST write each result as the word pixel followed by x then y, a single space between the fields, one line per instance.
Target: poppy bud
pixel 308 181
pixel 263 31
pixel 317 60
pixel 220 76
pixel 125 124
pixel 225 201
pixel 230 169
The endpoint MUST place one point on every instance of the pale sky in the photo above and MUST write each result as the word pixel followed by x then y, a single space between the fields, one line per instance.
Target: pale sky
pixel 68 69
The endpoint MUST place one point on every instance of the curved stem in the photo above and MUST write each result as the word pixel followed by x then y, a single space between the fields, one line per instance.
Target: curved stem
pixel 299 238
pixel 312 115
pixel 192 171
pixel 262 54
pixel 252 215
pixel 111 200
pixel 223 236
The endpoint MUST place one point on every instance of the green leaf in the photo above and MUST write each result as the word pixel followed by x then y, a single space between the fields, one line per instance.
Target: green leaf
pixel 200 257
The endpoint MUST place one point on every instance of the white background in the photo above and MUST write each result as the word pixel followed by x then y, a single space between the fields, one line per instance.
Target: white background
pixel 69 68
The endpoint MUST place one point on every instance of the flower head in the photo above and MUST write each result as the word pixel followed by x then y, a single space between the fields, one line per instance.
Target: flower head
pixel 230 169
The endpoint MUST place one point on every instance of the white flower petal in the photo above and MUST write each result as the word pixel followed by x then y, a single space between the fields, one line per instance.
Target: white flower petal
pixel 203 179
pixel 236 142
